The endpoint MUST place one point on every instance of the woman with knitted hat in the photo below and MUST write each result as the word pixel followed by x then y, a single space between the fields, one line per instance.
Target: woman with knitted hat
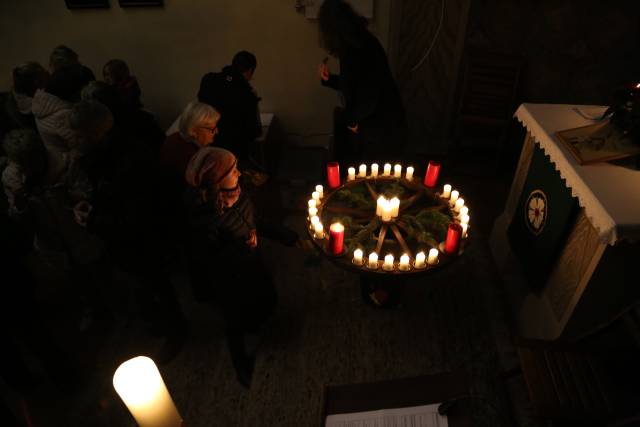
pixel 224 260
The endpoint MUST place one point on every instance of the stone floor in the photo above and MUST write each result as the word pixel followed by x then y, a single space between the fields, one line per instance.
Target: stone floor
pixel 322 333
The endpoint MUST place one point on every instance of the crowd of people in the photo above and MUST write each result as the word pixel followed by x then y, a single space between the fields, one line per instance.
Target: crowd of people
pixel 92 181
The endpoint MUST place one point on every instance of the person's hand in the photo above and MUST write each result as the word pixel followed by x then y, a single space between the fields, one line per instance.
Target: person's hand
pixel 323 71
pixel 252 241
pixel 353 129
pixel 81 212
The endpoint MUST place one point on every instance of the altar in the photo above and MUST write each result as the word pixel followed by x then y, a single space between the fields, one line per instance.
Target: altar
pixel 565 244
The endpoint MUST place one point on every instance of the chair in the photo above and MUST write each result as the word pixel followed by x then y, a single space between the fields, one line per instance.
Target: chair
pixel 487 100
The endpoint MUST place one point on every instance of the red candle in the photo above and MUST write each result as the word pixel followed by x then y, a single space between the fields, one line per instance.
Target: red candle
pixel 452 243
pixel 431 178
pixel 336 238
pixel 333 174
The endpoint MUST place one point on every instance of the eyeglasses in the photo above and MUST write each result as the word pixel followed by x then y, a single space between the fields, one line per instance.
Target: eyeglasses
pixel 212 130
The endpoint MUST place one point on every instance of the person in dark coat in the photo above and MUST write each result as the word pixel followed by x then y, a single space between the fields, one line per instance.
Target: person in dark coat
pixel 372 125
pixel 225 263
pixel 63 56
pixel 230 92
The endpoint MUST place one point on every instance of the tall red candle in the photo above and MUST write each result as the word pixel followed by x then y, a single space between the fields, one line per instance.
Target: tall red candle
pixel 333 174
pixel 336 238
pixel 431 178
pixel 452 243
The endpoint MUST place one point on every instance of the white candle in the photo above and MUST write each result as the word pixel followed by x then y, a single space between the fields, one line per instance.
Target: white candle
pixel 316 196
pixel 373 260
pixel 395 207
pixel 465 219
pixel 320 190
pixel 465 227
pixel 410 173
pixel 374 170
pixel 313 212
pixel 404 263
pixel 314 220
pixel 446 191
pixel 459 204
pixel 319 231
pixel 386 211
pixel 419 260
pixel 312 203
pixel 387 169
pixel 463 211
pixel 140 386
pixel 388 263
pixel 433 256
pixel 357 256
pixel 380 205
pixel 454 196
pixel 362 171
pixel 352 174
pixel 397 171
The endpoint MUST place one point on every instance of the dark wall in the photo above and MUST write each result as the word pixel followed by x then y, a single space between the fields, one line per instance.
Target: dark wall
pixel 576 52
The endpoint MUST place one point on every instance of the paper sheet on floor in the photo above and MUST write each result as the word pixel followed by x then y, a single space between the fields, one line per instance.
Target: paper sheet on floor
pixel 414 416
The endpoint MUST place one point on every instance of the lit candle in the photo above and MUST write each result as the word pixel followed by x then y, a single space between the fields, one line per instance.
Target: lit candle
pixel 352 174
pixel 320 191
pixel 387 170
pixel 459 204
pixel 316 196
pixel 433 256
pixel 404 263
pixel 357 257
pixel 319 231
pixel 333 174
pixel 380 205
pixel 140 386
pixel 313 212
pixel 446 191
pixel 431 178
pixel 388 263
pixel 373 260
pixel 314 220
pixel 410 173
pixel 395 207
pixel 397 171
pixel 386 211
pixel 452 243
pixel 454 196
pixel 463 211
pixel 465 219
pixel 336 238
pixel 419 263
pixel 311 203
pixel 374 170
pixel 465 227
pixel 362 172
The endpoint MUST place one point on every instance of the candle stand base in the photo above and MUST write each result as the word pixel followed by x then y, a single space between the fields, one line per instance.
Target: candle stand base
pixel 460 248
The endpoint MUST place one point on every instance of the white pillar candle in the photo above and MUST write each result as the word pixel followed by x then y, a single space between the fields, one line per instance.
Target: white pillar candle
pixel 140 386
pixel 316 196
pixel 319 231
pixel 352 174
pixel 397 171
pixel 357 256
pixel 311 203
pixel 388 263
pixel 380 205
pixel 410 173
pixel 465 227
pixel 454 196
pixel 320 190
pixel 404 263
pixel 373 260
pixel 465 219
pixel 433 256
pixel 314 220
pixel 362 172
pixel 463 211
pixel 446 191
pixel 313 212
pixel 387 170
pixel 395 207
pixel 459 204
pixel 419 260
pixel 374 170
pixel 386 211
